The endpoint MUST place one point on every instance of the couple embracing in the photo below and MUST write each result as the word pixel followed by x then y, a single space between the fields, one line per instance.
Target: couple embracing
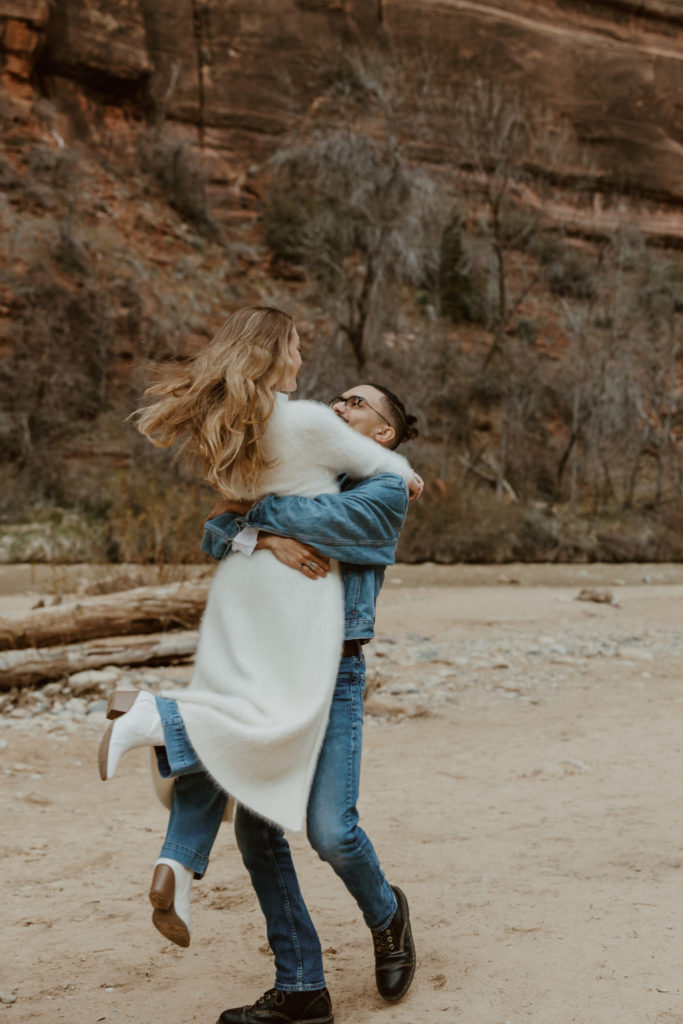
pixel 313 502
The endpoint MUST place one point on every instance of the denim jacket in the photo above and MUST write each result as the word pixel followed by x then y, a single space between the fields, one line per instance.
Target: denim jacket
pixel 359 527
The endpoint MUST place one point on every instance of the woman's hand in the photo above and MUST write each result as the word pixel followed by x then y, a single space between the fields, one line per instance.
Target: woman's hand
pixel 415 487
pixel 292 553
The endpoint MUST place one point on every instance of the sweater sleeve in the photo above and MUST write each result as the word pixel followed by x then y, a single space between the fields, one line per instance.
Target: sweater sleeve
pixel 339 448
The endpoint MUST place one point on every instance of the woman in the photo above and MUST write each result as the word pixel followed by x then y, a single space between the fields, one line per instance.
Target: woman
pixel 256 709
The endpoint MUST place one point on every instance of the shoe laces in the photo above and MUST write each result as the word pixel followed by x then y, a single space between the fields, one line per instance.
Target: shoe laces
pixel 273 996
pixel 384 942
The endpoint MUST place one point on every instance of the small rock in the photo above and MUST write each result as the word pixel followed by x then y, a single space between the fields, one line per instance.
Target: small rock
pixel 97 706
pixel 8 998
pixel 599 596
pixel 640 655
pixel 76 705
pixel 91 678
pixel 35 798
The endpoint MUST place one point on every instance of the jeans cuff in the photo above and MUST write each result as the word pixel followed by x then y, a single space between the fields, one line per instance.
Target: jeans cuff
pixel 313 987
pixel 381 927
pixel 190 859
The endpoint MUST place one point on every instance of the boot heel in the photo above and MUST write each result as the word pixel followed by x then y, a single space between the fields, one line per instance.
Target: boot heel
pixel 120 701
pixel 162 889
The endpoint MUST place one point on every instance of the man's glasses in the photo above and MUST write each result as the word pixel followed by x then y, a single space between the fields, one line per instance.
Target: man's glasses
pixel 357 402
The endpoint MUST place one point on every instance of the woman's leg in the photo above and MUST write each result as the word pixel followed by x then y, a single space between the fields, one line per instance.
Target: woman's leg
pixel 197 809
pixel 196 814
pixel 198 802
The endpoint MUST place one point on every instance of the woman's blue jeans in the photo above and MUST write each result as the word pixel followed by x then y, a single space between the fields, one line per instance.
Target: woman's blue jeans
pixel 198 802
pixel 332 826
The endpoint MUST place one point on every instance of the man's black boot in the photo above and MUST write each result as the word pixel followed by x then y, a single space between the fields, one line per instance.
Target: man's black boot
pixel 276 1007
pixel 395 953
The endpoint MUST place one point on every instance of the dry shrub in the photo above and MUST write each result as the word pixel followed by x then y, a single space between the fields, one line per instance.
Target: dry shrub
pixel 178 171
pixel 56 377
pixel 469 524
pixel 156 517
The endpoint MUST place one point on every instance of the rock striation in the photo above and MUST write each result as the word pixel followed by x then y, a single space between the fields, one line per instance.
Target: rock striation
pixel 237 74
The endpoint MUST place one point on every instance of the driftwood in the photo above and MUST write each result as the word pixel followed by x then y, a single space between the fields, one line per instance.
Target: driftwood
pixel 37 665
pixel 138 611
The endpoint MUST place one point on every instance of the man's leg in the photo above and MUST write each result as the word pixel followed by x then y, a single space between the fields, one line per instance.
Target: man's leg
pixel 337 837
pixel 291 934
pixel 334 833
pixel 299 996
pixel 333 828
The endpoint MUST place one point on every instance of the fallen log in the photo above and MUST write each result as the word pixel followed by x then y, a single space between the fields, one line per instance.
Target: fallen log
pixel 138 611
pixel 37 665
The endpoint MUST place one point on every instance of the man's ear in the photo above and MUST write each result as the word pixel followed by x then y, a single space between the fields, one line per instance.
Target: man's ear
pixel 384 435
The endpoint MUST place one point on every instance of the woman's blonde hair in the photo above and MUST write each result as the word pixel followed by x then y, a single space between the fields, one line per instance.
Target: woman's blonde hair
pixel 219 404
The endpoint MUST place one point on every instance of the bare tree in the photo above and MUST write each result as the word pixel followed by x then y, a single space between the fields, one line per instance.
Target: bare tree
pixel 506 153
pixel 621 374
pixel 346 204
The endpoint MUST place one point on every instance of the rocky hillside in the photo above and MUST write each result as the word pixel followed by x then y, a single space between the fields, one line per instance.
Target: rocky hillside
pixel 135 137
pixel 614 68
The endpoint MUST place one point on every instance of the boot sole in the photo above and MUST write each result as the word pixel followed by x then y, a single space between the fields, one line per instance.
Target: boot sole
pixel 164 917
pixel 243 1010
pixel 171 927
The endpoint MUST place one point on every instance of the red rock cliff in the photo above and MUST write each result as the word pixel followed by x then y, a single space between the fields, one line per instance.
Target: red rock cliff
pixel 614 67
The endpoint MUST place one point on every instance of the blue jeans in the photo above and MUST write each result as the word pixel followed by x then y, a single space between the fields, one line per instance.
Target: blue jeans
pixel 333 830
pixel 198 802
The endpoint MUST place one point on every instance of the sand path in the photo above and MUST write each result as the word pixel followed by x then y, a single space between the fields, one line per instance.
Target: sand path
pixel 522 782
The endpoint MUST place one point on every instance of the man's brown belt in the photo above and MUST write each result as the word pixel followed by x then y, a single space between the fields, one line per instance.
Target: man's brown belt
pixel 351 649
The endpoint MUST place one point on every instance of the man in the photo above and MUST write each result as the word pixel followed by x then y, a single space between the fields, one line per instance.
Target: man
pixel 360 528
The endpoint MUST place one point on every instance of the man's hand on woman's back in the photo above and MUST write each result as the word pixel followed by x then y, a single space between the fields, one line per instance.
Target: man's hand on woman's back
pixel 234 507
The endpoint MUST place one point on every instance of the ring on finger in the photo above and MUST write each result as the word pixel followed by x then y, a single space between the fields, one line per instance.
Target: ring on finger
pixel 312 566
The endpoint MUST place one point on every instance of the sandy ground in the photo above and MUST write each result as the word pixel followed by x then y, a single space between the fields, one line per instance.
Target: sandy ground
pixel 521 782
